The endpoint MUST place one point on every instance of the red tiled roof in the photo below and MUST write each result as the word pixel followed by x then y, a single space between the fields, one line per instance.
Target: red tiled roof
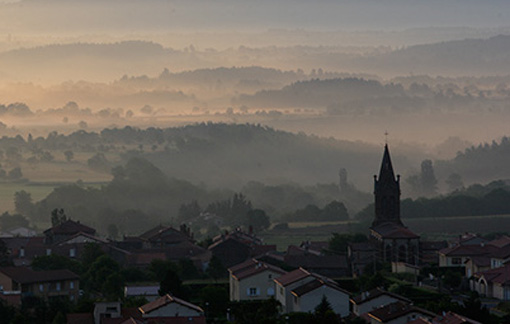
pixel 25 275
pixel 70 227
pixel 396 310
pixel 468 250
pixel 481 261
pixel 503 241
pixel 393 231
pixel 165 300
pixel 453 318
pixel 498 275
pixel 166 233
pixel 292 276
pixel 314 284
pixel 144 258
pixel 374 293
pixel 252 267
pixel 257 250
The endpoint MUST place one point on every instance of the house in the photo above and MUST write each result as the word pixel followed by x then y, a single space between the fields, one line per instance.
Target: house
pixel 360 255
pixel 445 318
pixel 169 309
pixel 458 255
pixel 493 283
pixel 65 230
pixel 45 284
pixel 238 246
pixel 314 260
pixel 373 299
pixel 20 231
pixel 303 289
pixel 164 236
pixel 398 313
pixel 307 296
pixel 150 293
pixel 184 250
pixel 105 310
pixel 253 280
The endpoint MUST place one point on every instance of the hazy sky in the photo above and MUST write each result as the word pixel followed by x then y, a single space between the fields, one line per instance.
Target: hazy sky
pixel 149 15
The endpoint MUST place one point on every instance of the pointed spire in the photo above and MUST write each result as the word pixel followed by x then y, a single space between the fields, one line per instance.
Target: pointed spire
pixel 386 172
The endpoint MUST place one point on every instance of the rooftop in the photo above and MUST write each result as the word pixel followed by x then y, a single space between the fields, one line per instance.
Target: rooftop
pixel 165 300
pixel 70 227
pixel 252 267
pixel 292 277
pixel 374 293
pixel 24 275
pixel 396 310
pixel 314 284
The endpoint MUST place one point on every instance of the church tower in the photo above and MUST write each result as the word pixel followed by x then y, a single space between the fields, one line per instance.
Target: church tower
pixel 387 193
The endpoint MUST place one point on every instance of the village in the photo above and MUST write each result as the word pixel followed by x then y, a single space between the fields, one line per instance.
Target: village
pixel 69 274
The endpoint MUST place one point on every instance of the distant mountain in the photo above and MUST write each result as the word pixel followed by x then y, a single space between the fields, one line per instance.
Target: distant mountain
pixel 460 57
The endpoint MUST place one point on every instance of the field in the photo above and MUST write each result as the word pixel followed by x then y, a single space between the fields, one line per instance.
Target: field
pixel 306 231
pixel 436 228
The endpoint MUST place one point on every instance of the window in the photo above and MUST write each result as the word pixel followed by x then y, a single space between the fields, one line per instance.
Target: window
pixel 72 253
pixel 456 260
pixel 253 291
pixel 71 285
pixel 22 253
pixel 41 287
pixel 48 251
pixel 58 286
pixel 270 291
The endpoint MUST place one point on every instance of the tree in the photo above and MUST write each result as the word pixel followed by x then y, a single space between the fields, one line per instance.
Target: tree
pixel 258 219
pixel 15 174
pixel 8 221
pixel 428 179
pixel 69 155
pixel 216 300
pixel 101 276
pixel 172 284
pixel 189 211
pixel 4 254
pixel 113 231
pixel 339 242
pixel 324 312
pixel 454 182
pixel 23 202
pixel 58 217
pixel 334 211
pixel 99 163
pixel 216 269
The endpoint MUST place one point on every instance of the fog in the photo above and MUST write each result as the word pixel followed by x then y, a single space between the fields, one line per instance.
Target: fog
pixel 435 74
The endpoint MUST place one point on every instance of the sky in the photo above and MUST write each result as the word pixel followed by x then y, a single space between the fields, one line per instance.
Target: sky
pixel 70 16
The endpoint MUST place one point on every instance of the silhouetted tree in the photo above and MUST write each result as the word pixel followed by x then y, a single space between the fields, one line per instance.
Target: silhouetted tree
pixel 58 216
pixel 428 179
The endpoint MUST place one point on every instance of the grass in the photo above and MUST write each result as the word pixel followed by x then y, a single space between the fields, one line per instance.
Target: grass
pixel 7 190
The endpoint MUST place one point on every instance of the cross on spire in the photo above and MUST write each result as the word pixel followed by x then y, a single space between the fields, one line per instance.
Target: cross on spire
pixel 386 137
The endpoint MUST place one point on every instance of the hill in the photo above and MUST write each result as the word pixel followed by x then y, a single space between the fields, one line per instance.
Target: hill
pixel 460 57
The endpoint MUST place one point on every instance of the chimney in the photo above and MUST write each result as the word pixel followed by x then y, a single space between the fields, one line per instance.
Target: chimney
pixel 251 230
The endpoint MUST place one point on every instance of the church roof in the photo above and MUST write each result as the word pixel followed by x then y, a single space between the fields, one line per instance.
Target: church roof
pixel 386 173
pixel 393 231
